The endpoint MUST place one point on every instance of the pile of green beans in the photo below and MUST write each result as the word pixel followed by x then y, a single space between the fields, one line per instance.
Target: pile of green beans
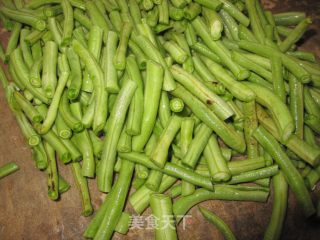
pixel 164 94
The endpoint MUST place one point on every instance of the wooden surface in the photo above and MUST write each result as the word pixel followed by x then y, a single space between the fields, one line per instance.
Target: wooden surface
pixel 27 213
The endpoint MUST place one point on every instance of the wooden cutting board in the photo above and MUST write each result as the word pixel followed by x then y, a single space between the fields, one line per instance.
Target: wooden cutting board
pixel 27 213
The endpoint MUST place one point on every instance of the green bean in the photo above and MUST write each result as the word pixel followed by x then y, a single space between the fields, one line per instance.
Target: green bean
pixel 170 169
pixel 219 49
pixel 135 11
pixel 205 51
pixel 154 180
pixel 243 61
pixel 35 78
pixel 175 13
pixel 124 144
pixel 153 53
pixel 52 11
pixel 217 165
pixel 310 105
pixel 121 227
pixel 8 169
pixel 152 17
pixel 224 192
pixel 250 124
pixel 82 18
pixel 187 127
pixel 176 105
pixel 58 146
pixel 161 207
pixel 31 113
pixel 280 112
pixel 53 178
pixel 241 166
pixel 176 190
pixel 54 30
pixel 295 35
pixel 289 18
pixel 277 76
pixel 164 109
pixel 230 24
pixel 152 93
pixel 279 207
pixel 211 4
pixel 49 79
pixel 287 61
pixel 101 96
pixel 239 90
pixel 141 58
pixel 135 113
pixel 114 126
pixel 82 185
pixel 117 199
pixel 305 151
pixel 39 156
pixel 192 10
pixel 163 10
pixel 176 52
pixel 96 16
pixel 197 145
pixel 62 128
pixel 255 21
pixel 160 152
pixel 83 142
pixel 202 112
pixel 116 20
pixel 246 34
pixel 26 51
pixel 65 112
pixel 202 70
pixel 75 75
pixel 307 56
pixel 235 12
pixel 24 17
pixel 53 108
pixel 119 59
pixel 296 105
pixel 67 23
pixel 13 40
pixel 218 222
pixel 7 23
pixel 214 102
pixel 141 198
pixel 294 180
pixel 110 73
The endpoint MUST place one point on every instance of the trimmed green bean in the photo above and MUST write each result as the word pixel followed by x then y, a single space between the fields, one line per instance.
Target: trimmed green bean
pixel 224 192
pixel 289 18
pixel 227 133
pixel 8 169
pixel 116 198
pixel 161 207
pixel 24 17
pixel 293 177
pixel 135 113
pixel 212 101
pixel 280 112
pixel 218 222
pixel 152 92
pixel 114 127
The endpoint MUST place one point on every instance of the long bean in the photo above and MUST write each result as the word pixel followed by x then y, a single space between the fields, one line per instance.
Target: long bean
pixel 8 169
pixel 114 126
pixel 293 177
pixel 152 94
pixel 218 222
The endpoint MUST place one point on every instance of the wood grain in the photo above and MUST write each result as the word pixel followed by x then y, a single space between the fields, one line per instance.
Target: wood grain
pixel 27 213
